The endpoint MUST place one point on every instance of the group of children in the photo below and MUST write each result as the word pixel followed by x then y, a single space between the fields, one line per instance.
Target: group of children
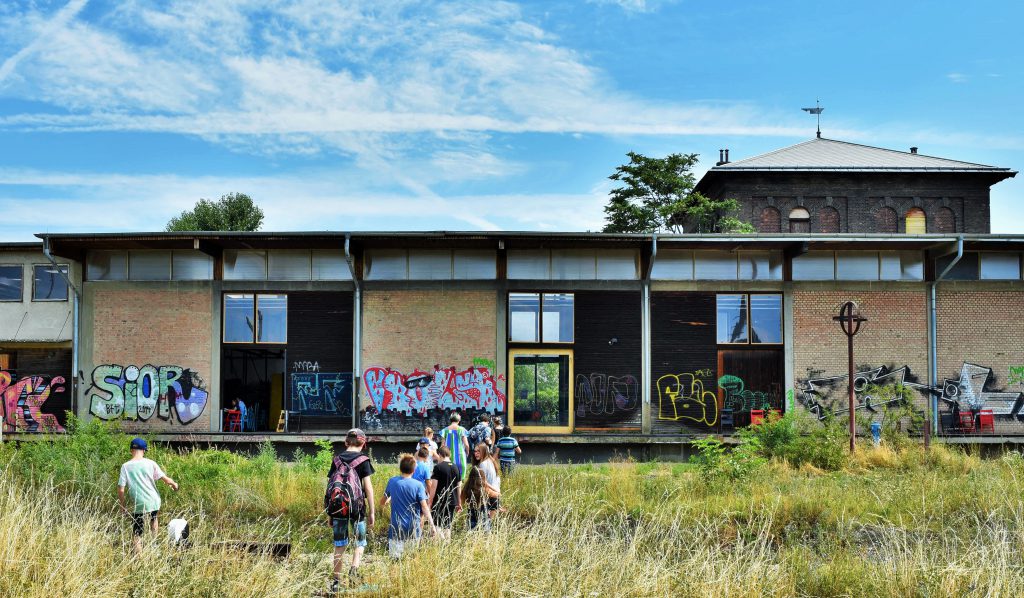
pixel 452 471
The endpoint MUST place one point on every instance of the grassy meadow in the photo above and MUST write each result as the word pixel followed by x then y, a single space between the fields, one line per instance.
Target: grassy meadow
pixel 750 522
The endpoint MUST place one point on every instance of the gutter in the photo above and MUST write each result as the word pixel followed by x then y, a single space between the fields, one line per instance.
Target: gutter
pixel 645 319
pixel 932 427
pixel 357 330
pixel 75 307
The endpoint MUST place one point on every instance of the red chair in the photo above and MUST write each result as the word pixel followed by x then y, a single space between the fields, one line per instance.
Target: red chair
pixel 234 417
pixel 756 416
pixel 967 422
pixel 986 421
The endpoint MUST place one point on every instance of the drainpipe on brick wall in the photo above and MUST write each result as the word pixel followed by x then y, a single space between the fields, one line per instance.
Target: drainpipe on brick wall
pixel 76 300
pixel 932 427
pixel 646 423
pixel 357 332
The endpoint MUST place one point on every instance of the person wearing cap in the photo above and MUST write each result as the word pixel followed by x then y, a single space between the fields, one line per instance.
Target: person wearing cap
pixel 355 442
pixel 137 482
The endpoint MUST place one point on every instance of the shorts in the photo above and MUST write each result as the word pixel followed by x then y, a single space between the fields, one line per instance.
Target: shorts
pixel 139 521
pixel 507 467
pixel 443 516
pixel 341 531
pixel 396 547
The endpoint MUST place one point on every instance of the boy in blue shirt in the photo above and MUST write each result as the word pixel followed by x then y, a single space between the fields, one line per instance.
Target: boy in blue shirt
pixel 408 498
pixel 508 448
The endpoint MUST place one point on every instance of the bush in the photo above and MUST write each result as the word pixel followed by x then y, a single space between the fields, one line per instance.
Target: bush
pixel 715 460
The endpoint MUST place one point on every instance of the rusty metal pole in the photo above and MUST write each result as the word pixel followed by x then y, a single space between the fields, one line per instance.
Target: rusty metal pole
pixel 850 320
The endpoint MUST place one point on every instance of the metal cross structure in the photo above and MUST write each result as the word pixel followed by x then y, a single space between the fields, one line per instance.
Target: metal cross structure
pixel 850 320
pixel 817 110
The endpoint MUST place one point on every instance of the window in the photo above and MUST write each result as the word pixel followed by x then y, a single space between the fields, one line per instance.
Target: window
pixel 749 319
pixel 828 220
pixel 149 265
pixel 191 265
pixel 49 284
pixel 799 220
pixel 107 265
pixel 965 269
pixel 11 282
pixel 541 390
pixel 1000 266
pixel 252 318
pixel 916 224
pixel 770 220
pixel 288 264
pixel 242 264
pixel 330 265
pixel 540 317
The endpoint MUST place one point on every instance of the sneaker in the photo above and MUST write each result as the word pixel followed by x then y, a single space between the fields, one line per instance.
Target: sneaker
pixel 334 588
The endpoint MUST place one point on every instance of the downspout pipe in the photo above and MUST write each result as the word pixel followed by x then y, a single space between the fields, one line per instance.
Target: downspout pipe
pixel 75 306
pixel 933 374
pixel 646 333
pixel 357 330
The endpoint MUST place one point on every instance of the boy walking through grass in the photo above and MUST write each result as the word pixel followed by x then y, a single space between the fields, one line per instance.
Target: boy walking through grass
pixel 508 449
pixel 408 499
pixel 137 481
pixel 349 503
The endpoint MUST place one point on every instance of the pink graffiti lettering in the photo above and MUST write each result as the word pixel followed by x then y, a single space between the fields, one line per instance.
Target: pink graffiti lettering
pixel 442 388
pixel 22 403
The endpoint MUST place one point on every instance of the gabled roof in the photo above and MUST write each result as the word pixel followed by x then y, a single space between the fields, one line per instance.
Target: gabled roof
pixel 828 154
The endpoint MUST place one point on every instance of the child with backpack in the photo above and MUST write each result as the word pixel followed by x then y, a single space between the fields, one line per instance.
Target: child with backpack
pixel 349 503
pixel 481 432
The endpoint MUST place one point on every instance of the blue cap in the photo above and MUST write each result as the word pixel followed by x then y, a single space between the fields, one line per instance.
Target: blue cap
pixel 424 440
pixel 139 443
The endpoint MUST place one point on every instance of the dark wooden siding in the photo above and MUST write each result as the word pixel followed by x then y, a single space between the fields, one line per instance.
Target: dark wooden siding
pixel 683 363
pixel 320 349
pixel 608 374
pixel 750 379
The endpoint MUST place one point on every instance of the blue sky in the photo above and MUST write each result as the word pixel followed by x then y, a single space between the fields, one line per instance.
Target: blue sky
pixel 377 115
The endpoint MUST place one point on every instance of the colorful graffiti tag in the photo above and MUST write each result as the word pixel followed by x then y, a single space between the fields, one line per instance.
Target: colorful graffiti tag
pixel 139 393
pixel 22 402
pixel 967 392
pixel 321 393
pixel 740 398
pixel 442 388
pixel 601 394
pixel 684 397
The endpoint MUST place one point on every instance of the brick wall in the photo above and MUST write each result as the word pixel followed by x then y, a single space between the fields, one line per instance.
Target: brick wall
pixel 973 327
pixel 409 330
pixel 895 335
pixel 160 327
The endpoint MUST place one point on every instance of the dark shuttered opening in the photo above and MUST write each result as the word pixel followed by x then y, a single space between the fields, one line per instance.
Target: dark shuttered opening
pixel 683 363
pixel 608 361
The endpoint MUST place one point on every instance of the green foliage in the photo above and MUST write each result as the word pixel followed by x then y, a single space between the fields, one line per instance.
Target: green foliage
pixel 233 212
pixel 798 438
pixel 715 461
pixel 899 418
pixel 658 195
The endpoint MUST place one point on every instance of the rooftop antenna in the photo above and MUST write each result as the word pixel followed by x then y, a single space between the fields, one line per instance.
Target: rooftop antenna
pixel 817 111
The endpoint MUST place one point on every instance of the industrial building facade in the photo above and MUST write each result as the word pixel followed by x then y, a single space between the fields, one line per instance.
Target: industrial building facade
pixel 570 337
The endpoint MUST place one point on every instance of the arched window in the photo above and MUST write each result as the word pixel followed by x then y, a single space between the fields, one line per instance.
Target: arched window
pixel 916 222
pixel 770 220
pixel 945 221
pixel 828 220
pixel 886 220
pixel 799 220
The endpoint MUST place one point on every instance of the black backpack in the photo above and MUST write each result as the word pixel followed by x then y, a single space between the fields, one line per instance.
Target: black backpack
pixel 344 498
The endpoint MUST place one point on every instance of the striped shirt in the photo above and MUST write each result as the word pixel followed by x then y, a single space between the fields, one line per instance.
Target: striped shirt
pixel 507 449
pixel 453 439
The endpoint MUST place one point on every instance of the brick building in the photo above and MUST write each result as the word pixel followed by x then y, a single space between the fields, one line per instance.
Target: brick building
pixel 585 343
pixel 827 186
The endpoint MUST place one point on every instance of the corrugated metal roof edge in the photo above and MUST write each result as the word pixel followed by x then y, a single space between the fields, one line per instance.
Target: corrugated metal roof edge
pixel 988 169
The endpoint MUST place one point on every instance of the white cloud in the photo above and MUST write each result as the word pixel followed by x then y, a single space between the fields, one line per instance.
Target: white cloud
pixel 957 77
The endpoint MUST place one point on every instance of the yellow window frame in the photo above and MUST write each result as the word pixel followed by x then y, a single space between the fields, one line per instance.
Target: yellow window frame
pixel 522 428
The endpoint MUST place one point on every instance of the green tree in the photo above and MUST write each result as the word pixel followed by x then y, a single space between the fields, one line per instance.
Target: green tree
pixel 657 195
pixel 233 212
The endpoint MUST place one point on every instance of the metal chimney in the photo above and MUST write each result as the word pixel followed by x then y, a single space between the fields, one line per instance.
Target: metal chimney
pixel 913 150
pixel 726 155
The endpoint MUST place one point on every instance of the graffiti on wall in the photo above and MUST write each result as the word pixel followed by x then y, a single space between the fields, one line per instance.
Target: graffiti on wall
pixel 21 402
pixel 967 392
pixel 740 398
pixel 1016 374
pixel 138 393
pixel 305 366
pixel 410 401
pixel 601 394
pixel 321 393
pixel 684 397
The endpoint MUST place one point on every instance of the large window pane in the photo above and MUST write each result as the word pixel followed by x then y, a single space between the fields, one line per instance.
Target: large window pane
pixel 330 265
pixel 766 318
pixel 149 265
pixel 11 282
pixel 107 265
pixel 965 269
pixel 856 265
pixel 49 284
pixel 540 396
pixel 731 320
pixel 760 265
pixel 911 265
pixel 714 265
pixel 239 310
pixel 529 264
pixel 524 317
pixel 387 264
pixel 430 264
pixel 191 265
pixel 475 265
pixel 272 318
pixel 558 318
pixel 617 265
pixel 288 264
pixel 1000 266
pixel 814 265
pixel 245 265
pixel 573 264
pixel 673 265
